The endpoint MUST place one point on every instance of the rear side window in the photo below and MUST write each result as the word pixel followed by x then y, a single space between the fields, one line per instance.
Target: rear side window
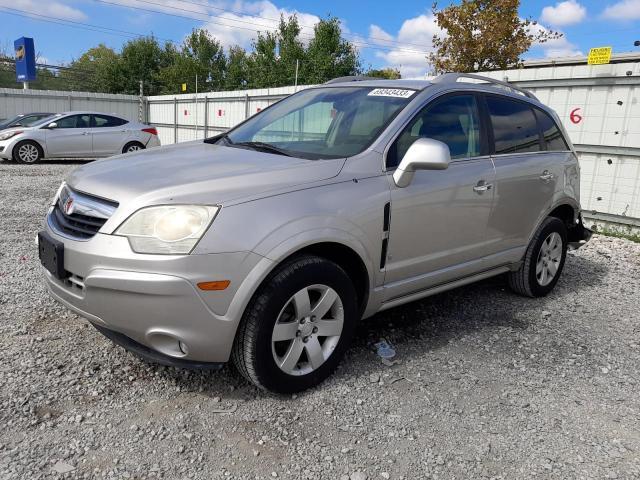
pixel 107 121
pixel 551 133
pixel 515 128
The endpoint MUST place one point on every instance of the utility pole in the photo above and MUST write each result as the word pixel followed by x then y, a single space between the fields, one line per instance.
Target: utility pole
pixel 196 119
pixel 295 87
pixel 141 102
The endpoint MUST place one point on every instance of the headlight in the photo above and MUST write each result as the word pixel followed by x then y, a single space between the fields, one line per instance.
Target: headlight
pixel 8 135
pixel 169 229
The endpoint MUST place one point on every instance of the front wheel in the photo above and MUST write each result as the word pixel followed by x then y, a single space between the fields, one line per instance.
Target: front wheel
pixel 543 260
pixel 297 326
pixel 27 152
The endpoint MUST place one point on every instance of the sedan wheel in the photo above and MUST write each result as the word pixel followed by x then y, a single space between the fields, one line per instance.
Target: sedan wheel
pixel 307 330
pixel 27 153
pixel 132 147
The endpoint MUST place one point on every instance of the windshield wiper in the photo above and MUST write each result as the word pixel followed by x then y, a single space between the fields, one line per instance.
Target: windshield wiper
pixel 267 147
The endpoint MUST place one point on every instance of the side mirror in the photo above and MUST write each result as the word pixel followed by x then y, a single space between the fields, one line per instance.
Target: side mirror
pixel 52 125
pixel 423 154
pixel 17 124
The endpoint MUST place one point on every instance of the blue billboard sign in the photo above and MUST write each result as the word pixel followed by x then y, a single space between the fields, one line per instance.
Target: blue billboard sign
pixel 25 59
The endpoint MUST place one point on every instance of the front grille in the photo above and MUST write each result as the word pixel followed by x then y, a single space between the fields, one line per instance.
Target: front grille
pixel 86 214
pixel 77 225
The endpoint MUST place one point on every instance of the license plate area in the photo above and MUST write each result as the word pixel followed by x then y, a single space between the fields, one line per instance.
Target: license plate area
pixel 51 254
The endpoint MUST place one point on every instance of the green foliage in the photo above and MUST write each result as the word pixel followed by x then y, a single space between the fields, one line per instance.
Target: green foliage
pixel 164 68
pixel 386 73
pixel 483 35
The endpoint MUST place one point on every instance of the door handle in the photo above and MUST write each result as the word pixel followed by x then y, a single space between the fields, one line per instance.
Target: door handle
pixel 85 133
pixel 482 187
pixel 546 176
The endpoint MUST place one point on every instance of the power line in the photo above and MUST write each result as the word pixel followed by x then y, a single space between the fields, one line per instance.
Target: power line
pixel 362 44
pixel 277 20
pixel 75 24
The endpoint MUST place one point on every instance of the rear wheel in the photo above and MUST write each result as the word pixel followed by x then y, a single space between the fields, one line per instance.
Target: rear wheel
pixel 297 326
pixel 543 260
pixel 132 147
pixel 27 152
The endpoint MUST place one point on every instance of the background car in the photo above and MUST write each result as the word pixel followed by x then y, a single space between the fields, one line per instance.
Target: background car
pixel 76 135
pixel 23 120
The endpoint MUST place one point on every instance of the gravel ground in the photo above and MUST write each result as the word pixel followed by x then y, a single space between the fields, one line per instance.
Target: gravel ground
pixel 487 384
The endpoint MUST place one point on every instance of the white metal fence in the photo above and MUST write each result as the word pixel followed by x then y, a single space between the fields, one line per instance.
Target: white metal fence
pixel 598 105
pixel 14 102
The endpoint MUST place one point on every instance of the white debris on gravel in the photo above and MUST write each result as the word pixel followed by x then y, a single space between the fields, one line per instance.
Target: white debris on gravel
pixel 489 384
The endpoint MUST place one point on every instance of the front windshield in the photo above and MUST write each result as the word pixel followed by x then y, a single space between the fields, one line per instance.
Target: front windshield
pixel 328 122
pixel 8 121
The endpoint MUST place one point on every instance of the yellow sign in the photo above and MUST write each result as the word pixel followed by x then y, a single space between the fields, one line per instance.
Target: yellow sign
pixel 599 56
pixel 184 87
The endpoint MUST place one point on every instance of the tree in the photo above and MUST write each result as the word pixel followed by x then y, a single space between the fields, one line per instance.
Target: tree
pixel 237 74
pixel 483 35
pixel 95 71
pixel 142 59
pixel 328 54
pixel 388 73
pixel 201 55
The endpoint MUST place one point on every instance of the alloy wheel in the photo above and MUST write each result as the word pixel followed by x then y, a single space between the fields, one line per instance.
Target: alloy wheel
pixel 549 259
pixel 307 330
pixel 28 153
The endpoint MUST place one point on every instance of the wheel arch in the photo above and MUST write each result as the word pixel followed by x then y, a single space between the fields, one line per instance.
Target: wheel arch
pixel 43 151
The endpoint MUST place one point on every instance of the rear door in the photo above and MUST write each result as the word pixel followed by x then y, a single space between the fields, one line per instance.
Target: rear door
pixel 109 134
pixel 439 221
pixel 71 137
pixel 526 176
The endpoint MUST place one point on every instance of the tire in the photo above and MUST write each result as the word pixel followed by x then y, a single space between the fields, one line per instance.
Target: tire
pixel 543 260
pixel 133 147
pixel 27 152
pixel 271 364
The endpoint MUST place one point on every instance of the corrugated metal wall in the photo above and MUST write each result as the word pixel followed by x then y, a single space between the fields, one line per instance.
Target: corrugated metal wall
pixel 181 118
pixel 599 106
pixel 14 102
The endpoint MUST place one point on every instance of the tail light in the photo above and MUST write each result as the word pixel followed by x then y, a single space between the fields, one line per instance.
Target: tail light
pixel 151 130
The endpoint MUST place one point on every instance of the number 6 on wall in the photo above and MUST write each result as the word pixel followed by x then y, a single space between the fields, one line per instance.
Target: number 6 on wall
pixel 574 116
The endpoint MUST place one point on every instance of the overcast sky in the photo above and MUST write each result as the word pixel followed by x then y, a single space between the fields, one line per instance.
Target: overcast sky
pixel 396 34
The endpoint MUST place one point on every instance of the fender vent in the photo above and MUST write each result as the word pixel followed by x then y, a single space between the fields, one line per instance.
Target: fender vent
pixel 385 235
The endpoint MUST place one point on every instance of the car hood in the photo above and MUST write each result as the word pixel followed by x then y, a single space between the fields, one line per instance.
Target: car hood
pixel 196 172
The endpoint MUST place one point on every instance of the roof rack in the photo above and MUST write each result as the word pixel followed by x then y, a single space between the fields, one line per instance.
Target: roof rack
pixel 351 78
pixel 454 77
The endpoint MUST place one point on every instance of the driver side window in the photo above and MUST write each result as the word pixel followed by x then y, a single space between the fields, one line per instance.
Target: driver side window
pixel 453 120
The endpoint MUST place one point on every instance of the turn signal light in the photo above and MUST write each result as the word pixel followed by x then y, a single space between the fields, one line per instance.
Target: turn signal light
pixel 218 285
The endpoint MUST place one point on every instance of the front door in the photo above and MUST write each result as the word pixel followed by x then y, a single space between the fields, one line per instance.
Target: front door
pixel 70 138
pixel 438 223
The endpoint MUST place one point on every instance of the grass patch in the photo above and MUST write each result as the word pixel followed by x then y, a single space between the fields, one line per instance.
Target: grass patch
pixel 634 237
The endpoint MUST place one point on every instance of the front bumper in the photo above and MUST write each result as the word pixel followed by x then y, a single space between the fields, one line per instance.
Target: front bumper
pixel 154 300
pixel 6 148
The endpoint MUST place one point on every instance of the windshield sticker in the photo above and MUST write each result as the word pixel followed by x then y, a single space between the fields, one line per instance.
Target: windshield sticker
pixel 391 92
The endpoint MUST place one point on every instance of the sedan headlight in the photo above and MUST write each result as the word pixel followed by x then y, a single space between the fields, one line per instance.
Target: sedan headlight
pixel 8 135
pixel 168 229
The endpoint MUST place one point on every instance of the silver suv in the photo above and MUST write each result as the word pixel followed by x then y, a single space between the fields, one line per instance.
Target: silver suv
pixel 266 245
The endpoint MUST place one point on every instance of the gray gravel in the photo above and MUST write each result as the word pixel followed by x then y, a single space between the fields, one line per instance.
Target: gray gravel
pixel 488 384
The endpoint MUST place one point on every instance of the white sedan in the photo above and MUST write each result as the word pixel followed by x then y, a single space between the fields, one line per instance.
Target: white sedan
pixel 76 135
